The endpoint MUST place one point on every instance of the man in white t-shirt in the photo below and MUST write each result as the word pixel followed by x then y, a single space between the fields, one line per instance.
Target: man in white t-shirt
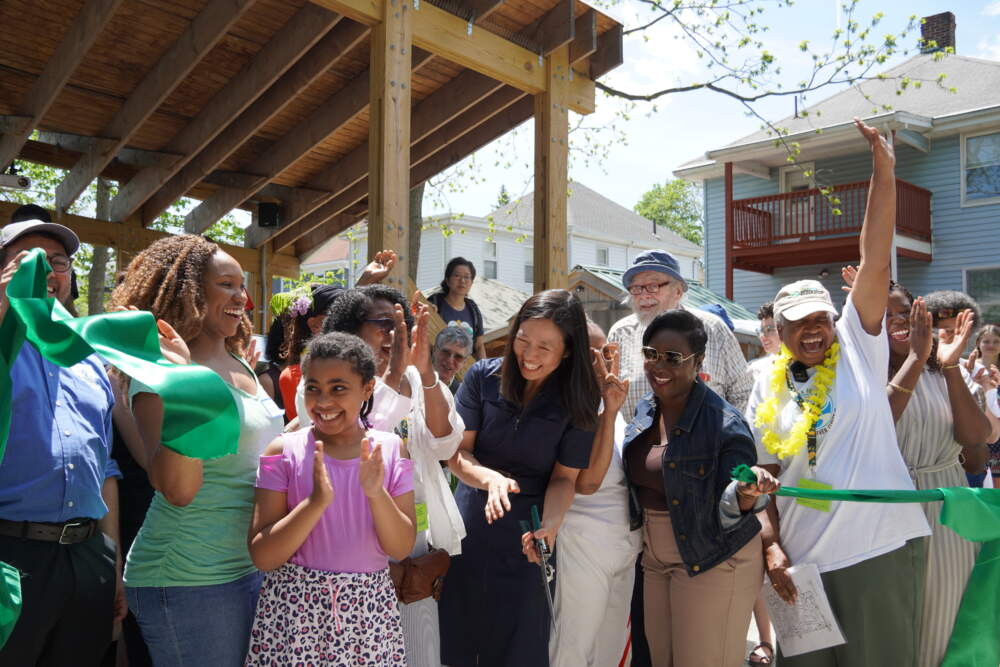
pixel 870 555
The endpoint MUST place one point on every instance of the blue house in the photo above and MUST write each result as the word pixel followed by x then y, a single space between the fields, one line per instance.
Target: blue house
pixel 768 222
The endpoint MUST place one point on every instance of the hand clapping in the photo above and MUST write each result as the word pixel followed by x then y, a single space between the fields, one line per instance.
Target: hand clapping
pixel 371 470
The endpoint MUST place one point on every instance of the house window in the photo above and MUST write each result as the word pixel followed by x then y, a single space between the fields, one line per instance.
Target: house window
pixel 983 285
pixel 490 260
pixel 529 265
pixel 981 169
pixel 602 256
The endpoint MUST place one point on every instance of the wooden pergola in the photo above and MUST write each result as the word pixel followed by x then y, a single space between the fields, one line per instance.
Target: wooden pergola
pixel 306 108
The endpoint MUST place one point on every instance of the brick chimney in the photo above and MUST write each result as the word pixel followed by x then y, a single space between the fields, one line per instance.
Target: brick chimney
pixel 939 28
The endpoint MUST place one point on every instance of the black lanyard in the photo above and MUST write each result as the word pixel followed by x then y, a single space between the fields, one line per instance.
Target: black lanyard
pixel 811 433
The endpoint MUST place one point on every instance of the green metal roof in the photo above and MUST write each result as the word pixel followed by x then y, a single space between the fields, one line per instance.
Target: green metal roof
pixel 696 296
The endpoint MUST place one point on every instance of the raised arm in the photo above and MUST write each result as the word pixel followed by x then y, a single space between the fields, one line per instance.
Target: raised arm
pixel 870 292
pixel 614 390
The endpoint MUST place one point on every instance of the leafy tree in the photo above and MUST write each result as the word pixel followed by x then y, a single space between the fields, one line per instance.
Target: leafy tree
pixel 677 206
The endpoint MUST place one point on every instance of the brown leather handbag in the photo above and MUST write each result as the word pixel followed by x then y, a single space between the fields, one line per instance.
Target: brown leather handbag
pixel 421 577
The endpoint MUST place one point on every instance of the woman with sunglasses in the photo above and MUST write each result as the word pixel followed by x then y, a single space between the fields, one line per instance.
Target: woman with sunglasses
pixel 702 549
pixel 410 400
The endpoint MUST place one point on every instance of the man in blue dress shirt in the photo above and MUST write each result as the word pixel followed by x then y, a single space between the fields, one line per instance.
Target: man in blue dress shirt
pixel 58 483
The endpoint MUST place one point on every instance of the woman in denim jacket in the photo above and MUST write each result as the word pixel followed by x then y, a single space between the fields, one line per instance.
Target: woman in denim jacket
pixel 702 559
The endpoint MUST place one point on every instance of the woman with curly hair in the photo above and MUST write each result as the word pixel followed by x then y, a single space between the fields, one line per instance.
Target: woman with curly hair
pixel 189 578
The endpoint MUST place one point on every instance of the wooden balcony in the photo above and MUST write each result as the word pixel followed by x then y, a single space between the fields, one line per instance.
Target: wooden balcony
pixel 806 227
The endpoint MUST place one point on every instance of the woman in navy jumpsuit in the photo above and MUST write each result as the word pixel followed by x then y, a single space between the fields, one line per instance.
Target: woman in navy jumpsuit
pixel 529 419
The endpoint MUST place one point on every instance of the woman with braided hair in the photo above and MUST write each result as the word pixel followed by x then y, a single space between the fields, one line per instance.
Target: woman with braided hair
pixel 189 578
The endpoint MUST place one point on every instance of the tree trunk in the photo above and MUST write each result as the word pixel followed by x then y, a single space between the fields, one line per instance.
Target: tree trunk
pixel 99 265
pixel 416 227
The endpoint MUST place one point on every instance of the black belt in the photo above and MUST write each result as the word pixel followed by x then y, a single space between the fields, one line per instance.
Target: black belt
pixel 71 532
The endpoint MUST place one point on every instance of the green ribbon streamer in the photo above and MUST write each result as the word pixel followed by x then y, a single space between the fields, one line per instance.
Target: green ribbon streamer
pixel 973 514
pixel 200 417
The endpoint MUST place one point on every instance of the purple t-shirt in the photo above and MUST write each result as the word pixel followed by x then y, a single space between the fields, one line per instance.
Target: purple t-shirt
pixel 344 540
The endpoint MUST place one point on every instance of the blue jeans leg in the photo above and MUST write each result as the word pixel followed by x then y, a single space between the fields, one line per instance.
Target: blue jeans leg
pixel 188 626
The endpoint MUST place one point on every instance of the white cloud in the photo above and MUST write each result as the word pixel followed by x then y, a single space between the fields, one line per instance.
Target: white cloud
pixel 992 9
pixel 989 48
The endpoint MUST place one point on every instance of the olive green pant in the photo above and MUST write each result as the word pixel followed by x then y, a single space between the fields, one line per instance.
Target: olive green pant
pixel 878 603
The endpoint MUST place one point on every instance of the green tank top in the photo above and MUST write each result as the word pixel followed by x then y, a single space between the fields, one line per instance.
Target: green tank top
pixel 205 543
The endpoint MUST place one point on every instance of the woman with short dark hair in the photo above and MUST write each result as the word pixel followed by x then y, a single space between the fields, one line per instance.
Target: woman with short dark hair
pixel 454 305
pixel 702 548
pixel 530 418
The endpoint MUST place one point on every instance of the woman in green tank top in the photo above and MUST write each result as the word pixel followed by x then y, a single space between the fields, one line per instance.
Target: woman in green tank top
pixel 189 579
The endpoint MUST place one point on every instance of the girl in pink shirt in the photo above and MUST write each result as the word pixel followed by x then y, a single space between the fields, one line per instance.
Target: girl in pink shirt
pixel 333 503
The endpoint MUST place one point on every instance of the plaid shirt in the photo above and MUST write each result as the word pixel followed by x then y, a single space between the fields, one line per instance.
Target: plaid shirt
pixel 724 362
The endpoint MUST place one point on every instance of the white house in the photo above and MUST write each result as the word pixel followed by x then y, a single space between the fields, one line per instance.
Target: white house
pixel 601 233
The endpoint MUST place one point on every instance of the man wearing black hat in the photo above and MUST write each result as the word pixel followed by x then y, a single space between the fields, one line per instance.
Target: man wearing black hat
pixel 58 483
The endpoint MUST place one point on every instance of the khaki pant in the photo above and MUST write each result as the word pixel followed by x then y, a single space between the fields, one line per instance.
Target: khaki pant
pixel 696 621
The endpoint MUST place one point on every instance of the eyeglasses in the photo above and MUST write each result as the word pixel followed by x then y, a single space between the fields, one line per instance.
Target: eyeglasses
pixel 457 356
pixel 60 263
pixel 769 329
pixel 386 324
pixel 652 288
pixel 464 279
pixel 652 356
pixel 944 314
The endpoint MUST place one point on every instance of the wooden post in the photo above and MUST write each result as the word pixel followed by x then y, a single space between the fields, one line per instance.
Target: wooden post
pixel 729 230
pixel 389 138
pixel 551 164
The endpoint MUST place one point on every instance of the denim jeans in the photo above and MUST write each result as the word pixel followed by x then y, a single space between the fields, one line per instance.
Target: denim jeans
pixel 189 626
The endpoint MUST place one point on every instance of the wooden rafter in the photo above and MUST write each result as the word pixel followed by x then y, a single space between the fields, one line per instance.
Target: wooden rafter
pixel 610 52
pixel 198 39
pixel 469 133
pixel 82 34
pixel 584 38
pixel 298 35
pixel 447 35
pixel 133 238
pixel 330 50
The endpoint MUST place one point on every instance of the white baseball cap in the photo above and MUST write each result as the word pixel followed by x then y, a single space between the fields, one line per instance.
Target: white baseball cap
pixel 802 298
pixel 16 230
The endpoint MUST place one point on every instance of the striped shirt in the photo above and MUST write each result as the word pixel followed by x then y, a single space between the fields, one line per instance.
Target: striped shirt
pixel 724 362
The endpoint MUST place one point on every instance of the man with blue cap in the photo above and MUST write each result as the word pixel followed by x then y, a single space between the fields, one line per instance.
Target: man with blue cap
pixel 655 285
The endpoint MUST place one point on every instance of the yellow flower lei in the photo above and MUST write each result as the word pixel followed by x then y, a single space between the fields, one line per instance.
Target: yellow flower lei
pixel 766 415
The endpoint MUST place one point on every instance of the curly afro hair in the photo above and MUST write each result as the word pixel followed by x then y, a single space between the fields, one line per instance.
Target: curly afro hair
pixel 167 279
pixel 354 306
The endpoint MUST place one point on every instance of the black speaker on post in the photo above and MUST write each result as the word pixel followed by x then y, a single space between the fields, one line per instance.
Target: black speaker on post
pixel 268 214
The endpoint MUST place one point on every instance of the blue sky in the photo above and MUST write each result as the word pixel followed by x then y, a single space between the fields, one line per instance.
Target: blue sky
pixel 685 125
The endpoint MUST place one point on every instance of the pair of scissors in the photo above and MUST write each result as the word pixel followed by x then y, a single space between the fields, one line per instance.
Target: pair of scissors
pixel 545 554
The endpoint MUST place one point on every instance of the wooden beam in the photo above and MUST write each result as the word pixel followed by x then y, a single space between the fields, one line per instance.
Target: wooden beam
pixel 297 36
pixel 389 138
pixel 133 238
pixel 446 35
pixel 610 52
pixel 555 29
pixel 201 35
pixel 551 183
pixel 134 157
pixel 480 9
pixel 585 38
pixel 86 28
pixel 327 53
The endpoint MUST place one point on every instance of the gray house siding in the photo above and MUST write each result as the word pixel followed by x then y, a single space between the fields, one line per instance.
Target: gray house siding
pixel 963 237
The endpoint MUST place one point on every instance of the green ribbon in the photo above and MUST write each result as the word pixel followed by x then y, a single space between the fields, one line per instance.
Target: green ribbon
pixel 200 417
pixel 973 514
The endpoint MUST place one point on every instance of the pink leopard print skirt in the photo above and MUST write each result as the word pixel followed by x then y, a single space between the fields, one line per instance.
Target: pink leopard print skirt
pixel 311 617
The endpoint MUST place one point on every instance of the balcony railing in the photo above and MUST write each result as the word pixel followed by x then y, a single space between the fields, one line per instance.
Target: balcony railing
pixel 810 215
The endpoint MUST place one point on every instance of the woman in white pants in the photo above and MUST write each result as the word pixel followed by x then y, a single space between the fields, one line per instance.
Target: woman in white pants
pixel 595 559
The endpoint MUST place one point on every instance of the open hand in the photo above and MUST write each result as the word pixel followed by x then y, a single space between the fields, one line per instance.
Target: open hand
pixel 420 348
pixel 6 275
pixel 378 268
pixel 399 356
pixel 172 346
pixel 497 497
pixel 849 274
pixel 949 351
pixel 883 153
pixel 322 491
pixel 921 329
pixel 371 470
